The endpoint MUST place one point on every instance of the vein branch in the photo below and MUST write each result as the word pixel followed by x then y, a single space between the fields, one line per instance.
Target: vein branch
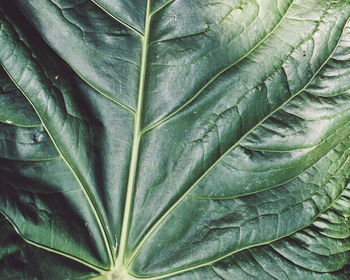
pixel 133 29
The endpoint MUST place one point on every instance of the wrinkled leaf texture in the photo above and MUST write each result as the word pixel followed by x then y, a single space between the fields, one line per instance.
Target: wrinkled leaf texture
pixel 175 139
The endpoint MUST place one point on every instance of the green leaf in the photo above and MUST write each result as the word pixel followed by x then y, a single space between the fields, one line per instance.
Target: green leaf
pixel 175 139
pixel 19 260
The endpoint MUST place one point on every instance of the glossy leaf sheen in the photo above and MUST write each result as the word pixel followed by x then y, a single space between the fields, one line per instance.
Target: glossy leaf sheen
pixel 175 139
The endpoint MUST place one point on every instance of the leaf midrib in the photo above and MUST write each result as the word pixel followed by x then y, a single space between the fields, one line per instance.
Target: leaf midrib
pixel 135 146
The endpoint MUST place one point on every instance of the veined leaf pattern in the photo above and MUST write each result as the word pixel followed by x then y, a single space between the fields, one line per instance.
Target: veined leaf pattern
pixel 175 139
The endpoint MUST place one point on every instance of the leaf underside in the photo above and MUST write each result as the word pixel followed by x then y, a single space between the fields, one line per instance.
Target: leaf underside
pixel 175 139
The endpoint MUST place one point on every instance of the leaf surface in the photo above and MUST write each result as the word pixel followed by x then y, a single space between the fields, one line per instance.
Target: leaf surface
pixel 175 139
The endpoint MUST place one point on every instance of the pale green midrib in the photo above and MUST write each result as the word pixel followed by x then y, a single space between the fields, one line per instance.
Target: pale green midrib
pixel 159 221
pixel 188 102
pixel 244 248
pixel 51 250
pixel 135 146
pixel 133 29
pixel 85 190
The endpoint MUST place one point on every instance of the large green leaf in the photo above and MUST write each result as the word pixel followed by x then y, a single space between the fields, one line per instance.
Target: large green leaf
pixel 175 139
